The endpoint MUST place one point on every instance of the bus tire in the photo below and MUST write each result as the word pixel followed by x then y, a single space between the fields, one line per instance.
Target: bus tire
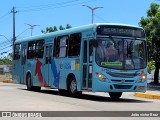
pixel 115 95
pixel 29 82
pixel 72 87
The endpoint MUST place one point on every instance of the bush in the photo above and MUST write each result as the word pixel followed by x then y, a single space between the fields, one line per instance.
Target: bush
pixel 151 66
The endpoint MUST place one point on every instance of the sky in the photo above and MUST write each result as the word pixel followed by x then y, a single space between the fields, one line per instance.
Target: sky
pixel 49 13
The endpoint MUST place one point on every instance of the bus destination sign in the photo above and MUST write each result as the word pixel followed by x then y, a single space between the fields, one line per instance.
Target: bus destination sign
pixel 120 31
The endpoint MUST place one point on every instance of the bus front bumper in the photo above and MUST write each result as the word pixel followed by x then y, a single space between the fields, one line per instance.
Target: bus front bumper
pixel 118 87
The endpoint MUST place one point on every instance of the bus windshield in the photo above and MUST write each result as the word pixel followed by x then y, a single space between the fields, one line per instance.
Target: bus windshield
pixel 120 53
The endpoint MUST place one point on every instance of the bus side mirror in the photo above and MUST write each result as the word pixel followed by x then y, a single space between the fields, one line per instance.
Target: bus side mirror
pixel 94 43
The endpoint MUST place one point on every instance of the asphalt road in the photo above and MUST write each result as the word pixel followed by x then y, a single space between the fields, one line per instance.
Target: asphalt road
pixel 15 97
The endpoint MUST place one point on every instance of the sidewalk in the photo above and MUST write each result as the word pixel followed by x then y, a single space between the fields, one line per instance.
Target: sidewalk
pixel 153 92
pixel 7 81
pixel 6 78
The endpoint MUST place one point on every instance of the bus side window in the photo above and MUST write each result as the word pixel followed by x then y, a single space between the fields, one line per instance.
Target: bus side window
pixel 56 47
pixel 74 44
pixel 39 49
pixel 63 46
pixel 85 52
pixel 31 50
pixel 90 51
pixel 17 50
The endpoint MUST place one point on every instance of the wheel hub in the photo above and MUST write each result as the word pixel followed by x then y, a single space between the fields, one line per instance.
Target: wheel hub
pixel 73 86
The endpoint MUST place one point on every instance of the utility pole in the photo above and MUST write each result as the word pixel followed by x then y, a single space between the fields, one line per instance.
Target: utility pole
pixel 92 9
pixel 14 37
pixel 31 27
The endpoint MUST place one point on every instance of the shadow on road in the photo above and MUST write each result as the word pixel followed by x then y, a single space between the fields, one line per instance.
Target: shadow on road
pixel 92 97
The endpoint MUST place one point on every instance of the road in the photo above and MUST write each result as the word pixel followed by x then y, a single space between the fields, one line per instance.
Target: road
pixel 15 97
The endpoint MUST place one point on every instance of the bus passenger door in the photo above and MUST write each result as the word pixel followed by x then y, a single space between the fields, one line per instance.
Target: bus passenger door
pixel 47 66
pixel 87 66
pixel 16 63
pixel 23 62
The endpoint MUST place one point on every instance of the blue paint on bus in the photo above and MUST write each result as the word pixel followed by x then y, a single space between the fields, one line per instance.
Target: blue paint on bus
pixel 56 74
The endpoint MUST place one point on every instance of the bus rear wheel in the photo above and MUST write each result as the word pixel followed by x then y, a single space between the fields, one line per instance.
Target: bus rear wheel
pixel 115 95
pixel 72 87
pixel 29 84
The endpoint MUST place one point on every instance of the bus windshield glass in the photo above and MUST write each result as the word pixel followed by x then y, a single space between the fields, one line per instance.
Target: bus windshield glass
pixel 120 53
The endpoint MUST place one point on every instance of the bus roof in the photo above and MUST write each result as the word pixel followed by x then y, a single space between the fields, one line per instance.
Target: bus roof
pixel 70 31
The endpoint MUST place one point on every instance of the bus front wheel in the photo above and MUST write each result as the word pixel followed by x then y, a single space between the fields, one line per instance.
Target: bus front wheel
pixel 72 87
pixel 115 95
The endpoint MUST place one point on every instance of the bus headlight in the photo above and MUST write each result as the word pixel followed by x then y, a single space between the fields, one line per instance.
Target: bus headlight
pixel 101 77
pixel 142 78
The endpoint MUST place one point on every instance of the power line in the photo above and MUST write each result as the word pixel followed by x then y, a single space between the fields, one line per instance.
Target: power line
pixel 8 50
pixel 4 42
pixel 22 32
pixel 4 19
pixel 50 5
pixel 5 47
pixel 5 37
pixel 4 15
pixel 5 51
pixel 39 8
pixel 53 7
pixel 100 18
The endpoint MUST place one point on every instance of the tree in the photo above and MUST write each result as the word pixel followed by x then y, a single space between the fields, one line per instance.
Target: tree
pixel 151 25
pixel 49 29
pixel 68 26
pixel 10 56
pixel 54 29
pixel 7 60
pixel 61 28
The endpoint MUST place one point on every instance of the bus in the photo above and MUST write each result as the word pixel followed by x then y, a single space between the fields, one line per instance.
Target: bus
pixel 99 57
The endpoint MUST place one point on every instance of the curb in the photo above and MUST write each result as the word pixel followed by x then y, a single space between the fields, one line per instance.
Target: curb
pixel 7 81
pixel 147 95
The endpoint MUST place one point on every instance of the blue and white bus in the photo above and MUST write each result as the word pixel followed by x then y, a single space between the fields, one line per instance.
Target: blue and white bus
pixel 99 57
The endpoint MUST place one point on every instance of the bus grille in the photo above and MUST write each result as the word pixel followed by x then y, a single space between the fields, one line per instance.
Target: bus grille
pixel 126 81
pixel 123 75
pixel 122 86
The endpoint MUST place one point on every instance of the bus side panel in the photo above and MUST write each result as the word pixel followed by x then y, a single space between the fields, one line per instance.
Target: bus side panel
pixel 48 74
pixel 34 68
pixel 16 70
pixel 55 68
pixel 68 67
